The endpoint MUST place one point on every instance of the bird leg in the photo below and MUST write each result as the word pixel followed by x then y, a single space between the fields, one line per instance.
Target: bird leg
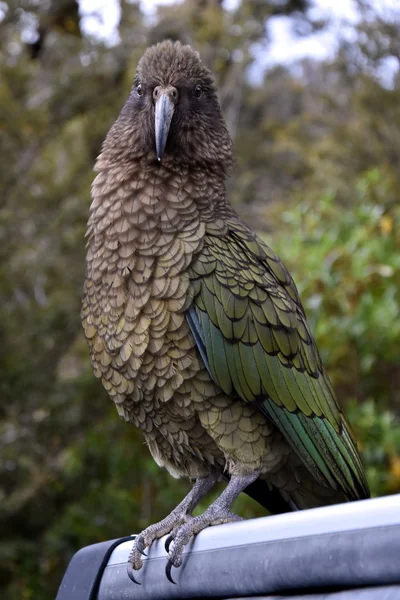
pixel 179 515
pixel 216 514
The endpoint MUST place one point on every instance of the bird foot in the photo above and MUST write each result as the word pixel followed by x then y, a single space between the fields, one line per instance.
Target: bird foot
pixel 150 534
pixel 182 534
pixel 178 516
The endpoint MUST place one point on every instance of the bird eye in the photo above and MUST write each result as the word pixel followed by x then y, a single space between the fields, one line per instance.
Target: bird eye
pixel 139 90
pixel 197 91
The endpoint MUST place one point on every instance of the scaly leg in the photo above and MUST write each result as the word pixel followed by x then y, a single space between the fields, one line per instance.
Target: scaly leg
pixel 216 514
pixel 179 515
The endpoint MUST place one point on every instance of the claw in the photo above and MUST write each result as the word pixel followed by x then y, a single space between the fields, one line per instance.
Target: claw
pixel 168 542
pixel 168 571
pixel 139 545
pixel 129 570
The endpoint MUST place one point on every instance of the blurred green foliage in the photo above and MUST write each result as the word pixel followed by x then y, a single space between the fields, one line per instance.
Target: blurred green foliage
pixel 318 149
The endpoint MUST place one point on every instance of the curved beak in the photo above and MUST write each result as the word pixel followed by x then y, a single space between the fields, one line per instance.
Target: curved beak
pixel 163 115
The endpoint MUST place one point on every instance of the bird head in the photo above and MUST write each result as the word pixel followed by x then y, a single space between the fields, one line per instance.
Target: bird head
pixel 173 112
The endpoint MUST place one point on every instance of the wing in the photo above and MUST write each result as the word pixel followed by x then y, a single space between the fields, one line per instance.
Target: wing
pixel 252 333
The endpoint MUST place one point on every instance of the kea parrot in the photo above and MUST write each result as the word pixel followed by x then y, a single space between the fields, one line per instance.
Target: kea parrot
pixel 195 326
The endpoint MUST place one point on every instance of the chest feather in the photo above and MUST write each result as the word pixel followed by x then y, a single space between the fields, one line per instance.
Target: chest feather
pixel 142 238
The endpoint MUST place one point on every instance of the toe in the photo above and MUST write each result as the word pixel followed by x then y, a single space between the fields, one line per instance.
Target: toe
pixel 135 560
pixel 180 537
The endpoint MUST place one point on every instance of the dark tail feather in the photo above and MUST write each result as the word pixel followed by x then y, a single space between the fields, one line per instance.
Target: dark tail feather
pixel 269 498
pixel 309 494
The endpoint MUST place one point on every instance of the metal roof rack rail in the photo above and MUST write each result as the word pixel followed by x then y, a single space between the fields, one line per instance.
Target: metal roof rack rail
pixel 343 552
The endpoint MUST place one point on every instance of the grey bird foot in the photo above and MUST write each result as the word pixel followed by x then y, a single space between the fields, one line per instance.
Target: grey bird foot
pixel 148 536
pixel 181 535
pixel 179 515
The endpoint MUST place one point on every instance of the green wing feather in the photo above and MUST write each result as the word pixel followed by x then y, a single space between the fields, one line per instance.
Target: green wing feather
pixel 257 344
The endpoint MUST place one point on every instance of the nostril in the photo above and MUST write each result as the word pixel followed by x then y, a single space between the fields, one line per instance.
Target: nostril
pixel 171 91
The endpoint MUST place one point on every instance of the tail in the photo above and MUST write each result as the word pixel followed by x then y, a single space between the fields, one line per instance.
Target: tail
pixel 308 494
pixel 331 456
pixel 269 497
pixel 307 491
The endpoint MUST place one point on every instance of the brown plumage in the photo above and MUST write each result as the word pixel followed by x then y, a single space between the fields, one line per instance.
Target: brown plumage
pixel 194 325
